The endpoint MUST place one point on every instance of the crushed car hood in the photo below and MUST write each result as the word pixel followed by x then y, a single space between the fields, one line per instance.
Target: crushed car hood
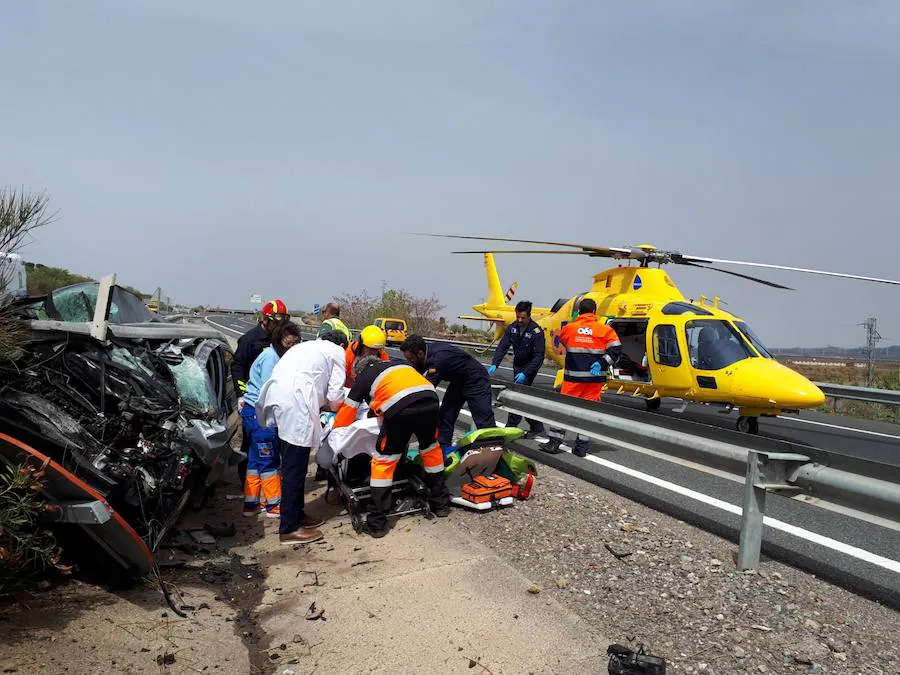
pixel 145 417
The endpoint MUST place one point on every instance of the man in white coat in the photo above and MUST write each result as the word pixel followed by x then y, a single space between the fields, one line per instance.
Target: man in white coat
pixel 309 377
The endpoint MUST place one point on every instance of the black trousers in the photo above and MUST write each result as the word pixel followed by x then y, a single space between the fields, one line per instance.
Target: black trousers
pixel 294 463
pixel 475 392
pixel 419 420
pixel 513 419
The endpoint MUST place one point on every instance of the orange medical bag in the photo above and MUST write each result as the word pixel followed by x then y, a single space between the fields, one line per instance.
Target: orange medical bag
pixel 486 489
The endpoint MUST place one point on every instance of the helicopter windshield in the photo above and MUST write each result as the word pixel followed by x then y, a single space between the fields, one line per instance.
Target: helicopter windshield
pixel 754 340
pixel 714 344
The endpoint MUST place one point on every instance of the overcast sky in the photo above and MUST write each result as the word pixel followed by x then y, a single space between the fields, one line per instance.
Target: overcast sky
pixel 220 148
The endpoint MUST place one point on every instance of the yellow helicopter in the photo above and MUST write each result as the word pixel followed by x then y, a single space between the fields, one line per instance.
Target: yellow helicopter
pixel 672 347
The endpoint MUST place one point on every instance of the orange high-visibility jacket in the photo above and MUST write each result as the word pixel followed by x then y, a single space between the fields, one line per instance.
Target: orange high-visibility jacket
pixel 351 358
pixel 587 341
pixel 388 388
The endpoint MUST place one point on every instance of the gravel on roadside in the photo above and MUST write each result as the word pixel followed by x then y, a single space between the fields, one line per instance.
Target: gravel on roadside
pixel 644 577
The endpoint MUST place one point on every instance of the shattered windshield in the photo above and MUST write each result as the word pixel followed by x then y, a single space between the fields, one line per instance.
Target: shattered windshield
pixel 192 383
pixel 714 344
pixel 76 303
pixel 754 340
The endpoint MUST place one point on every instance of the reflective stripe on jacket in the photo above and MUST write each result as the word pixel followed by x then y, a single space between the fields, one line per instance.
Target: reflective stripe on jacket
pixel 588 341
pixel 388 387
pixel 334 324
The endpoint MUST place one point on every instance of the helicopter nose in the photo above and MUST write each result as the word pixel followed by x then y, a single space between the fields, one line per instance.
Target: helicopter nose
pixel 770 383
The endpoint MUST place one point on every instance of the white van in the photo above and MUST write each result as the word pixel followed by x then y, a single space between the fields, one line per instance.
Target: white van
pixel 12 277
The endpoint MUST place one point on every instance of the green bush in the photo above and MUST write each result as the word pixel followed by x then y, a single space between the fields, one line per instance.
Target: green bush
pixel 26 547
pixel 42 279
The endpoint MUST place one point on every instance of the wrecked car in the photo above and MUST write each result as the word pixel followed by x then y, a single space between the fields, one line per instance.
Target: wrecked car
pixel 138 412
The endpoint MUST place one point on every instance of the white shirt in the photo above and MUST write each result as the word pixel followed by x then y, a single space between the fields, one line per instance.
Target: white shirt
pixel 308 376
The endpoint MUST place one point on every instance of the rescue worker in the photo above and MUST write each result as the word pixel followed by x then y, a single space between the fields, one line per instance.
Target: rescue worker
pixel 251 343
pixel 527 341
pixel 467 382
pixel 408 405
pixel 371 342
pixel 589 347
pixel 308 377
pixel 331 320
pixel 262 485
pixel 249 346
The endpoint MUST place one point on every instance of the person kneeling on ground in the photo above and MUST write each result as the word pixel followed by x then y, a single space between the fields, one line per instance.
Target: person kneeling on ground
pixel 308 378
pixel 262 479
pixel 409 406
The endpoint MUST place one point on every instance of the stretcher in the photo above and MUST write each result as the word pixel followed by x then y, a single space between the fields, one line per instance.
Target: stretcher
pixel 346 453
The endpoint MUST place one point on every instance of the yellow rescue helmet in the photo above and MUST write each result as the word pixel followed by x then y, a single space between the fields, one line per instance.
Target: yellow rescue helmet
pixel 372 337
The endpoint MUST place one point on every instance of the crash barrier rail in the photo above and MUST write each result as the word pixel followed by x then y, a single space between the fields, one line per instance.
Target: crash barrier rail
pixel 313 330
pixel 883 396
pixel 764 465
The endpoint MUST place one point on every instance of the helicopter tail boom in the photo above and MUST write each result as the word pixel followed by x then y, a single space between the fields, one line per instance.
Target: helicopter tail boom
pixel 495 299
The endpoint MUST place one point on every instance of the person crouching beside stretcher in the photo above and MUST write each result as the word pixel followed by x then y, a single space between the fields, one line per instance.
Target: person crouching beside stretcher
pixel 262 485
pixel 408 404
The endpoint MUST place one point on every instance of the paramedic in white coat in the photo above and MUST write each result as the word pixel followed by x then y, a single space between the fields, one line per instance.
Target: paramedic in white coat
pixel 308 377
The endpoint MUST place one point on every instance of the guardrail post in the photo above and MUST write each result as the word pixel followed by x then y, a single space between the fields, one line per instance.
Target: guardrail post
pixel 753 510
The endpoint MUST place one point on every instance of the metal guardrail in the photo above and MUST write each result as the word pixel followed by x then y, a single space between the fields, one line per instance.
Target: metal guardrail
pixel 764 465
pixel 883 396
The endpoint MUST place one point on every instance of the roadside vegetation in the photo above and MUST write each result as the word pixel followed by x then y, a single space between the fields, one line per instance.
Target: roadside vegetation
pixel 422 314
pixel 21 214
pixel 42 279
pixel 25 547
pixel 887 376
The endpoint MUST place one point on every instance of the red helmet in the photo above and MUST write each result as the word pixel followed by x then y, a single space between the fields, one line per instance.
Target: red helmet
pixel 275 310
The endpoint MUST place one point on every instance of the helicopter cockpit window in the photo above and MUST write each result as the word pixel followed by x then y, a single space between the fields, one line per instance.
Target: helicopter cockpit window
pixel 754 339
pixel 714 344
pixel 665 346
pixel 675 308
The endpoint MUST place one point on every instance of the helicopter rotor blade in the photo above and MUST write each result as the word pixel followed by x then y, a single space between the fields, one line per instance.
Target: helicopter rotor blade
pixel 599 251
pixel 738 274
pixel 688 259
pixel 590 254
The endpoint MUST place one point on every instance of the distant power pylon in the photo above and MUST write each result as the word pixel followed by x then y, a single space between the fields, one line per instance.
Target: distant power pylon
pixel 873 337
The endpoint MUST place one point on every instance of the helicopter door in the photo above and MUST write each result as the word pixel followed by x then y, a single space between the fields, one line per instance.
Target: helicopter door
pixel 632 365
pixel 668 362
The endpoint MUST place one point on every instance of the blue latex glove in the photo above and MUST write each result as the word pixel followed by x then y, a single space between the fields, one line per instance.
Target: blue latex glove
pixel 492 370
pixel 595 368
pixel 520 378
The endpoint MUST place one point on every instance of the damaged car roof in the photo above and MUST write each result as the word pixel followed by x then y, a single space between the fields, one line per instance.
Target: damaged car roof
pixel 71 309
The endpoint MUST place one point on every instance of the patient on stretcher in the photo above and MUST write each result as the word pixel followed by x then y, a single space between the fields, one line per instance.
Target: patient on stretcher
pixel 356 439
